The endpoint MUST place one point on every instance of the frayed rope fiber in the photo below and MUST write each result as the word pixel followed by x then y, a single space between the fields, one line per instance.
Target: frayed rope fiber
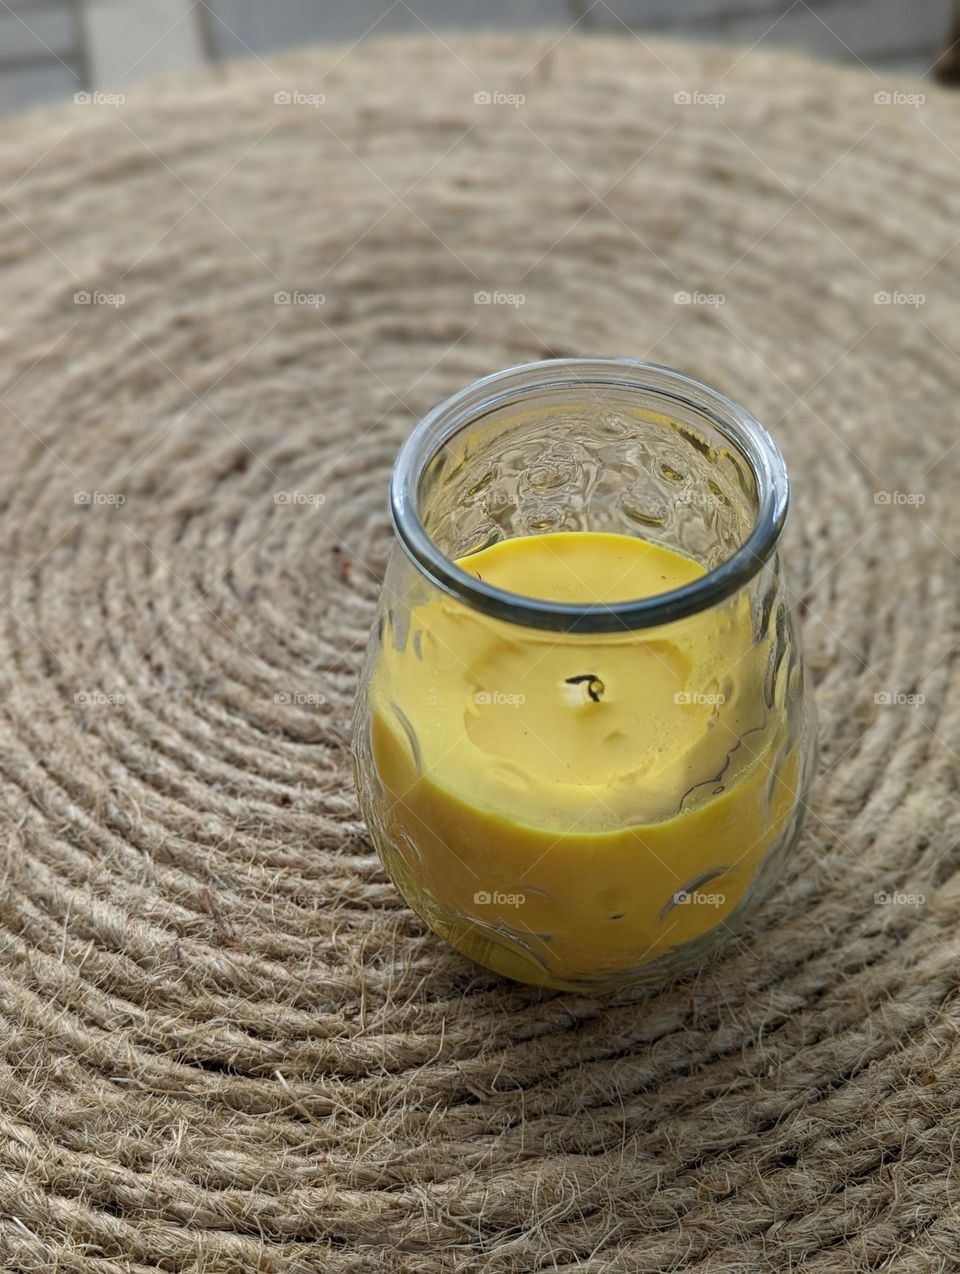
pixel 225 1043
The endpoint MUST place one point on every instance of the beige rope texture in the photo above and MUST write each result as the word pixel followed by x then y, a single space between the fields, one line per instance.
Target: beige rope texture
pixel 225 1043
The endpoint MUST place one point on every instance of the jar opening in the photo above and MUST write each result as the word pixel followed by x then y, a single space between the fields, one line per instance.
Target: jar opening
pixel 590 444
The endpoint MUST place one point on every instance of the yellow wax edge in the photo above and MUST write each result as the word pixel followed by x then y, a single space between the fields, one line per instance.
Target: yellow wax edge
pixel 567 804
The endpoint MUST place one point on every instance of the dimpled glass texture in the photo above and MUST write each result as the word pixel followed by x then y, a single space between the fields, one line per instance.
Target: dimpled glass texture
pixel 601 446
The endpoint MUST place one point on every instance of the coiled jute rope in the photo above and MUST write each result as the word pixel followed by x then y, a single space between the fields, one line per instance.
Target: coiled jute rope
pixel 225 1043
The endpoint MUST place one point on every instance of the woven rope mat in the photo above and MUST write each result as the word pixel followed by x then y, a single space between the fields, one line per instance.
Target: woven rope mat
pixel 226 1044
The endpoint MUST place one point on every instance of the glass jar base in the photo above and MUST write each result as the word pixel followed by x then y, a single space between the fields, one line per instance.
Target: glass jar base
pixel 509 954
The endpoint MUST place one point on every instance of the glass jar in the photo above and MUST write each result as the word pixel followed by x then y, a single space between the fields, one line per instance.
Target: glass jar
pixel 583 733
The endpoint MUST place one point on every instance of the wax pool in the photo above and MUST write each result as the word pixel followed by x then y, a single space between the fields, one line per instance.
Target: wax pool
pixel 567 808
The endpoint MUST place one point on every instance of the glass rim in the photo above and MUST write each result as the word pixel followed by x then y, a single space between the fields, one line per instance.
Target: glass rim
pixel 468 405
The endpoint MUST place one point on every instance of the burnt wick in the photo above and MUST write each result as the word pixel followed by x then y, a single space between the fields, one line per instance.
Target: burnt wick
pixel 595 686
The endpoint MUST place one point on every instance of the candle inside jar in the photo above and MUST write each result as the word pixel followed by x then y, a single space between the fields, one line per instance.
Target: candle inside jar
pixel 567 807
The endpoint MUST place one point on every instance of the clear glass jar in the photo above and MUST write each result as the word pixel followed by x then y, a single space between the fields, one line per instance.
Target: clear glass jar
pixel 579 786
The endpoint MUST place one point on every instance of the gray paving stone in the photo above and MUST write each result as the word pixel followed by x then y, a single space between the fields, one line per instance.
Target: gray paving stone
pixel 26 86
pixel 670 13
pixel 894 30
pixel 237 26
pixel 129 39
pixel 122 40
pixel 36 32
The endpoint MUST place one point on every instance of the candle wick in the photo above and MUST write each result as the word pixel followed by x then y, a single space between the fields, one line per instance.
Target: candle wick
pixel 595 686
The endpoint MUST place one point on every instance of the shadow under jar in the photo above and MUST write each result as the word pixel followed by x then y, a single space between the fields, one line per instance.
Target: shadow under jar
pixel 582 736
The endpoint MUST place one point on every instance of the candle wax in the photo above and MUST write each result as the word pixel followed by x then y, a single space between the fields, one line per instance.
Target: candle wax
pixel 566 807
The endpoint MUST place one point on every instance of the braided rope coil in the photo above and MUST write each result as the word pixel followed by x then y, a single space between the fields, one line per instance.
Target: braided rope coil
pixel 225 1044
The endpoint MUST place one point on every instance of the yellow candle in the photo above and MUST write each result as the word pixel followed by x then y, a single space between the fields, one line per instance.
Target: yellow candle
pixel 565 808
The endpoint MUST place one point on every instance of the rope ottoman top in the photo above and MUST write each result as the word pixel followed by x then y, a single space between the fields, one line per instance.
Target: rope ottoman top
pixel 226 1044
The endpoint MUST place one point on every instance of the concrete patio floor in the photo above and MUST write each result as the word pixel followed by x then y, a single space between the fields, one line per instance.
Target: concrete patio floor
pixel 50 49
